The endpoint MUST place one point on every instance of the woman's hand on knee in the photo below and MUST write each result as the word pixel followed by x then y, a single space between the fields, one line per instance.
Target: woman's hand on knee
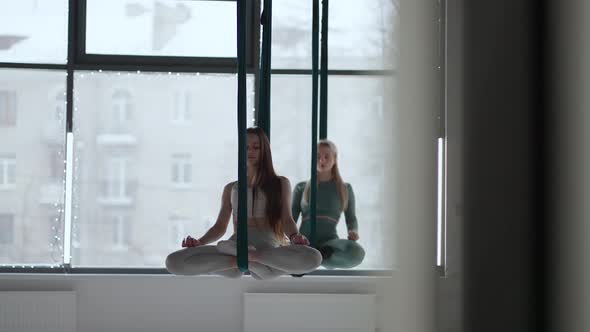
pixel 299 238
pixel 190 242
pixel 353 235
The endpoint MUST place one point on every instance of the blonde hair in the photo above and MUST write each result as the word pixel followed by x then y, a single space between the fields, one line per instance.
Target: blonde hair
pixel 343 193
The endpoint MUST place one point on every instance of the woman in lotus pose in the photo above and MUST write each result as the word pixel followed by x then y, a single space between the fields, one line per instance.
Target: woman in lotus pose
pixel 333 197
pixel 275 246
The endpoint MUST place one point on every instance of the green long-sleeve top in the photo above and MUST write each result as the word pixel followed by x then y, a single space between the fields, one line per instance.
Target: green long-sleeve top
pixel 328 210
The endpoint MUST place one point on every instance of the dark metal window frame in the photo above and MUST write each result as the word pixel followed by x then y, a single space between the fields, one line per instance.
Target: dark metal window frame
pixel 78 59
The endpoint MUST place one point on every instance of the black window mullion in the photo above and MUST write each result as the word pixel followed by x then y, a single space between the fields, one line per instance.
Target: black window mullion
pixel 49 66
pixel 336 72
pixel 72 47
pixel 159 68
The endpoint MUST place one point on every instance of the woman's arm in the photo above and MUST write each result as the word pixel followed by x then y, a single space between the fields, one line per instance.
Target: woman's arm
pixel 350 215
pixel 296 202
pixel 216 231
pixel 289 226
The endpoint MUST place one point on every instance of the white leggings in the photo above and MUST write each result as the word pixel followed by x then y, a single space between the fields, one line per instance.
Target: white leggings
pixel 220 260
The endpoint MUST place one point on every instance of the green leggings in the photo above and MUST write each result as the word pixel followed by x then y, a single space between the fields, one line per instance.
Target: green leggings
pixel 345 254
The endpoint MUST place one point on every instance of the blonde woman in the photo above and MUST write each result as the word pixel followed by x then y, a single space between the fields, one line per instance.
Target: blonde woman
pixel 334 196
pixel 275 246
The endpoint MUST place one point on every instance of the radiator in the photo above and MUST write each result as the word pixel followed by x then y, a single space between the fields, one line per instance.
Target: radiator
pixel 37 312
pixel 266 312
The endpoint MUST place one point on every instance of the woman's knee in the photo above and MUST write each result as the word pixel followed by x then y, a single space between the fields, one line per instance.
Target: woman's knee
pixel 312 258
pixel 358 252
pixel 174 263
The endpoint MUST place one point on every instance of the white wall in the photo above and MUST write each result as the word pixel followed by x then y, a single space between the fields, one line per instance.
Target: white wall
pixel 158 303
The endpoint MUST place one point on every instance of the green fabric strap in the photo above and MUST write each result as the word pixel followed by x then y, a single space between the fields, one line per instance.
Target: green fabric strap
pixel 242 233
pixel 263 115
pixel 314 120
pixel 324 73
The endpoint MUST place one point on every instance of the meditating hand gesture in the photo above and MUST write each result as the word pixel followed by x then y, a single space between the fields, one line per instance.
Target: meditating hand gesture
pixel 299 238
pixel 190 242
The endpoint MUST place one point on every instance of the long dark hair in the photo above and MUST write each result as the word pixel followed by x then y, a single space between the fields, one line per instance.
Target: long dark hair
pixel 269 182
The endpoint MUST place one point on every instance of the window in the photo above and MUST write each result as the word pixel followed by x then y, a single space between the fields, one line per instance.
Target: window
pixel 7 171
pixel 161 28
pixel 154 112
pixel 33 31
pixel 182 170
pixel 7 109
pixel 362 150
pixel 120 231
pixel 59 106
pixel 56 166
pixel 157 174
pixel 6 229
pixel 31 169
pixel 116 181
pixel 181 111
pixel 360 34
pixel 361 76
pixel 121 109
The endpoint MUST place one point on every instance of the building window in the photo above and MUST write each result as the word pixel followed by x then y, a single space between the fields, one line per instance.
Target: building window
pixel 59 109
pixel 181 112
pixel 120 230
pixel 6 229
pixel 7 108
pixel 116 181
pixel 56 166
pixel 7 171
pixel 121 109
pixel 181 170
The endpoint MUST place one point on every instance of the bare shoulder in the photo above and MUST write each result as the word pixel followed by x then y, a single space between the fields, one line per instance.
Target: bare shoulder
pixel 284 181
pixel 228 187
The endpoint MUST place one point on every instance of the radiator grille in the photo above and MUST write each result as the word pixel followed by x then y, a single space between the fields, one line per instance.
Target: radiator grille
pixel 37 312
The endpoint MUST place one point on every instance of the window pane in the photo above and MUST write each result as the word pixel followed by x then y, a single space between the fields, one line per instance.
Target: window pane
pixel 10 168
pixel 360 36
pixel 187 173
pixel 161 28
pixel 175 175
pixel 156 152
pixel 360 118
pixel 6 229
pixel 291 126
pixel 33 31
pixel 31 184
pixel 8 108
pixel 359 108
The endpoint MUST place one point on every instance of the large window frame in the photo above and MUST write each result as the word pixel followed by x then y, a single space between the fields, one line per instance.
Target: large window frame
pixel 78 60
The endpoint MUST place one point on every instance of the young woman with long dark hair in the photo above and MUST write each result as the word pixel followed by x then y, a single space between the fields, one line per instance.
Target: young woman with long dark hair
pixel 275 245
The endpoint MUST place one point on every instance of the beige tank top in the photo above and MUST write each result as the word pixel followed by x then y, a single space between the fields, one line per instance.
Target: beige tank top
pixel 256 205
